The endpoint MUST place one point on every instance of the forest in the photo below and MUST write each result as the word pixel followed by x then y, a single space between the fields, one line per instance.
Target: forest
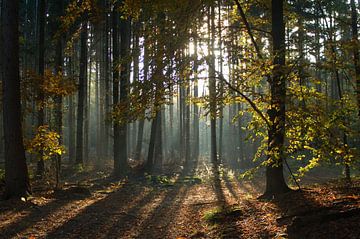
pixel 179 119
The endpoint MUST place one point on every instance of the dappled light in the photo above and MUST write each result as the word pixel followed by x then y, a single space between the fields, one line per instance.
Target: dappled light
pixel 181 119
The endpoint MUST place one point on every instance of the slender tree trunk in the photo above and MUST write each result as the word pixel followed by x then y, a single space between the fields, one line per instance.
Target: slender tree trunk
pixel 107 83
pixel 16 172
pixel 71 122
pixel 221 120
pixel 71 119
pixel 181 122
pixel 355 38
pixel 116 82
pixel 196 108
pixel 58 99
pixel 41 68
pixel 81 96
pixel 142 121
pixel 98 138
pixel 212 91
pixel 125 41
pixel 87 98
pixel 187 128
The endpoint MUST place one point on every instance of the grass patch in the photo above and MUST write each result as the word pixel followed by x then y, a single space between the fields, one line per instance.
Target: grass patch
pixel 221 215
pixel 2 174
pixel 192 180
pixel 78 168
pixel 160 180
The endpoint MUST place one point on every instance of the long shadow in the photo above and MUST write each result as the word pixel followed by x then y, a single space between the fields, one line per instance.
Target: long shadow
pixel 98 219
pixel 36 214
pixel 39 213
pixel 230 188
pixel 227 227
pixel 165 213
pixel 112 214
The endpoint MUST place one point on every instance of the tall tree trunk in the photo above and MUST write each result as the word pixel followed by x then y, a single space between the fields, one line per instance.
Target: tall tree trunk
pixel 41 68
pixel 71 130
pixel 181 122
pixel 142 121
pixel 275 182
pixel 125 41
pixel 116 82
pixel 16 172
pixel 58 99
pixel 87 98
pixel 355 38
pixel 155 145
pixel 71 118
pixel 81 95
pixel 212 91
pixel 107 82
pixel 221 120
pixel 196 108
pixel 187 128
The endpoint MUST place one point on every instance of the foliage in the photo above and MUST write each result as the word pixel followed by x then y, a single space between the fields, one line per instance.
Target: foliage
pixel 45 143
pixel 50 86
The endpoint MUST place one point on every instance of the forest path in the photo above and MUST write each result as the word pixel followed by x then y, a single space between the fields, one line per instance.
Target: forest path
pixel 154 208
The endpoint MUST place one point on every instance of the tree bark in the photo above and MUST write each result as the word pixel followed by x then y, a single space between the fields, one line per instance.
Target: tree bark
pixel 16 172
pixel 355 38
pixel 212 91
pixel 275 182
pixel 125 41
pixel 41 67
pixel 81 95
pixel 116 82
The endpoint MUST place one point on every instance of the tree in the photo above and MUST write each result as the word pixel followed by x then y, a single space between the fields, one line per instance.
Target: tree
pixel 356 58
pixel 16 173
pixel 125 41
pixel 81 95
pixel 59 61
pixel 212 89
pixel 41 67
pixel 275 182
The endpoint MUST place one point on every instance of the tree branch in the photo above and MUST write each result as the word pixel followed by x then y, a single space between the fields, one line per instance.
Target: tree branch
pixel 247 25
pixel 251 103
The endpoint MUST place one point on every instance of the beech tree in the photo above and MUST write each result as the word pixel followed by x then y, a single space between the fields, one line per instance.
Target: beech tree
pixel 275 182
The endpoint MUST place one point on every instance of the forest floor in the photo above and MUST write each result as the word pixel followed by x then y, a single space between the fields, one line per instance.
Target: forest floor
pixel 181 206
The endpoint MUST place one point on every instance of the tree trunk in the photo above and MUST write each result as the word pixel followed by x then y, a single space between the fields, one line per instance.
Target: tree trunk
pixel 355 38
pixel 16 172
pixel 116 81
pixel 59 62
pixel 81 96
pixel 41 66
pixel 142 121
pixel 275 182
pixel 196 108
pixel 212 91
pixel 150 158
pixel 107 83
pixel 125 41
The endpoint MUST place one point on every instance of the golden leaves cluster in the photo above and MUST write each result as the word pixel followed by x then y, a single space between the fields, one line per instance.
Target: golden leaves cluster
pixel 45 143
